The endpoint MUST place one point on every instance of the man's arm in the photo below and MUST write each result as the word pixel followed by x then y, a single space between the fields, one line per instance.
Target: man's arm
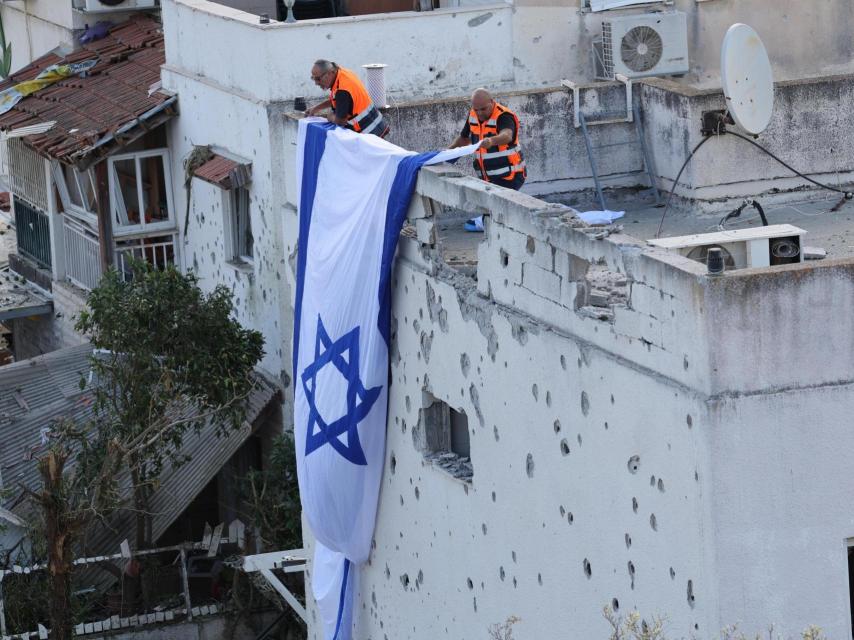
pixel 459 142
pixel 319 107
pixel 463 139
pixel 505 136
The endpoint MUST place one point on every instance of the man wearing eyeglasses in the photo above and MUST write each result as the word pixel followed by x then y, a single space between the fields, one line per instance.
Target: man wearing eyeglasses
pixel 351 105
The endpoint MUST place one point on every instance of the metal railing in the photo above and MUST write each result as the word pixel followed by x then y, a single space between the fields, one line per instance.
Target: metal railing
pixel 27 173
pixel 210 548
pixel 33 230
pixel 82 254
pixel 158 251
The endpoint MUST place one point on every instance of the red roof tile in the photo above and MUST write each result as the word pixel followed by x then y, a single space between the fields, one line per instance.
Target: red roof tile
pixel 223 172
pixel 114 92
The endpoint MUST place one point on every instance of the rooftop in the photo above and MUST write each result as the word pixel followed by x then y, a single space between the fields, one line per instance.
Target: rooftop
pixel 91 112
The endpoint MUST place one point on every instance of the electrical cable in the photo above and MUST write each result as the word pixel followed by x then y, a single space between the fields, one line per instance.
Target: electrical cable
pixel 676 182
pixel 848 195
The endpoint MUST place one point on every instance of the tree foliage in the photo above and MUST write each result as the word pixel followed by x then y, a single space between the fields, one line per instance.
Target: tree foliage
pixel 172 358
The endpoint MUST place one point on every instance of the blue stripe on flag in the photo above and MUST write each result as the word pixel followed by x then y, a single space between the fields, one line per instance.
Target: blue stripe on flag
pixel 315 144
pixel 342 599
pixel 398 203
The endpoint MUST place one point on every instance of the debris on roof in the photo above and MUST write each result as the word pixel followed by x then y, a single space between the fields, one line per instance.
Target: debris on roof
pixel 102 111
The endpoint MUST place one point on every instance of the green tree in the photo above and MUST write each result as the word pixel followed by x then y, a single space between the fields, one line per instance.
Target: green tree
pixel 172 358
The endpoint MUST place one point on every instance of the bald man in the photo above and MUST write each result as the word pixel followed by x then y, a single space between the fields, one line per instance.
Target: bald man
pixel 499 158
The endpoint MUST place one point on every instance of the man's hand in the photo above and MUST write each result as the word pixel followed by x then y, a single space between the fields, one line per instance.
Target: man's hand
pixel 313 111
pixel 486 143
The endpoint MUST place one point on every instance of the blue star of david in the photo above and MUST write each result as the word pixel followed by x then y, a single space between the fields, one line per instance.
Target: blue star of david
pixel 343 354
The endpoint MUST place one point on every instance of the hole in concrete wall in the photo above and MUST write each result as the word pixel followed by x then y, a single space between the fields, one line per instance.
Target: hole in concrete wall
pixel 615 604
pixel 652 481
pixel 689 420
pixel 540 579
pixel 469 583
pixel 514 582
pixel 562 511
pixel 404 580
pixel 661 485
pixel 530 245
pixel 601 290
pixel 535 392
pixel 548 398
pixel 445 441
pixel 493 496
pixel 633 464
pixel 691 598
pixel 483 528
pixel 495 432
pixel 635 505
pixel 563 362
pixel 513 555
pixel 501 573
pixel 672 574
pixel 564 447
pixel 628 541
pixel 588 570
pixel 505 257
pixel 570 518
pixel 417 493
pixel 653 522
pixel 557 426
pixel 529 465
pixel 393 463
pixel 585 403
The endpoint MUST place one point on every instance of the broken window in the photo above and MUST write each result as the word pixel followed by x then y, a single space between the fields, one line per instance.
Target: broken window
pixel 444 439
pixel 140 192
pixel 240 243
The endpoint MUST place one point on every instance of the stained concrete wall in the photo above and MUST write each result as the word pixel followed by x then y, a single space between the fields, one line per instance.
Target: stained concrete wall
pixel 215 115
pixel 807 130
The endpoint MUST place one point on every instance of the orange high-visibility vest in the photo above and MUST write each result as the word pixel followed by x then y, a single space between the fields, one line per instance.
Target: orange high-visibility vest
pixel 499 163
pixel 364 117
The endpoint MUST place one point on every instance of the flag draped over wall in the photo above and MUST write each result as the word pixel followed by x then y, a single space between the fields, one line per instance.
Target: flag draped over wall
pixel 354 193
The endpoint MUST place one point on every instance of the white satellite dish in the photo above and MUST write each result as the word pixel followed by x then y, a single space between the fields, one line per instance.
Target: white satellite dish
pixel 747 79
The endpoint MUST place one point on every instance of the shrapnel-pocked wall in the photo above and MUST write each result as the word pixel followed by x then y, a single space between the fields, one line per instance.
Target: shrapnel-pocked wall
pixel 641 434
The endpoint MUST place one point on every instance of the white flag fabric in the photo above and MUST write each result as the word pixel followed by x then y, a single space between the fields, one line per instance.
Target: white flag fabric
pixel 354 193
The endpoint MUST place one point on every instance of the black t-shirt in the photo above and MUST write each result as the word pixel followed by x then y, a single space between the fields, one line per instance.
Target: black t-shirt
pixel 505 121
pixel 343 104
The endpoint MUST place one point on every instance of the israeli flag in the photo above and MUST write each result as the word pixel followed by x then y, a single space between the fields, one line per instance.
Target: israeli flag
pixel 354 193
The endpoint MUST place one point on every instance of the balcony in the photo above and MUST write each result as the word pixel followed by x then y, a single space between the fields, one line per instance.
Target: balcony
pixel 33 230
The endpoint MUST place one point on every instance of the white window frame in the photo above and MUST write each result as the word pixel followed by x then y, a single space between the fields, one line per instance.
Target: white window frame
pixel 84 214
pixel 231 227
pixel 117 203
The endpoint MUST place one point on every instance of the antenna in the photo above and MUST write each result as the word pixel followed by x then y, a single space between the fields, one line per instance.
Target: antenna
pixel 747 80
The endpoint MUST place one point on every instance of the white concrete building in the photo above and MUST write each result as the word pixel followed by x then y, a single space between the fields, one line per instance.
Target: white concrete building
pixel 577 418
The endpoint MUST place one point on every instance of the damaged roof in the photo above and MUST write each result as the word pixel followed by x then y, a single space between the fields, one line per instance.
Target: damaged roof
pixel 115 97
pixel 36 393
pixel 224 172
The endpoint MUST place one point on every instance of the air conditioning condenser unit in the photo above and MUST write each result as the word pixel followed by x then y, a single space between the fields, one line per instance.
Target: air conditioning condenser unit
pixel 640 45
pixel 102 6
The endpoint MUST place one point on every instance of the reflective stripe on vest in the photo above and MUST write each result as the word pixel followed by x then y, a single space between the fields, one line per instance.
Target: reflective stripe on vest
pixel 364 117
pixel 504 161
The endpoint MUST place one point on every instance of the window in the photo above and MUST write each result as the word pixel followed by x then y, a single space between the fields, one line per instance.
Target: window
pixel 443 438
pixel 239 241
pixel 76 190
pixel 141 192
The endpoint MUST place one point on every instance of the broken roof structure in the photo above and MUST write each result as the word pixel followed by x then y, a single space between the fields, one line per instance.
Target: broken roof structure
pixel 36 393
pixel 112 104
